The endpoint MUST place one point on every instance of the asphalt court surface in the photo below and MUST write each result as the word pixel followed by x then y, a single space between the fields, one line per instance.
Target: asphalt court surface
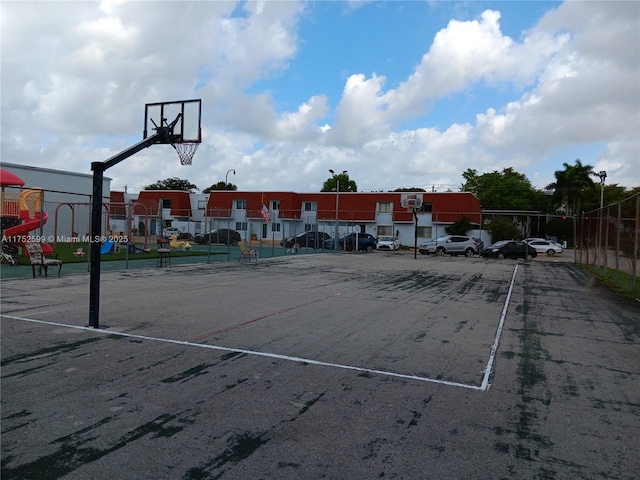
pixel 322 366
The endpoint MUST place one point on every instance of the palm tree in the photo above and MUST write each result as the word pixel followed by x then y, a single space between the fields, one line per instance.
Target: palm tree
pixel 570 185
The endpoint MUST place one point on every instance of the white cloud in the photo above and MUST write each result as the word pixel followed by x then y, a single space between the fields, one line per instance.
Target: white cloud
pixel 467 52
pixel 303 122
pixel 361 112
pixel 581 98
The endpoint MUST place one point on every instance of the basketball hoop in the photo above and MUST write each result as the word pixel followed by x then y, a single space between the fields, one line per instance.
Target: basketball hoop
pixel 186 151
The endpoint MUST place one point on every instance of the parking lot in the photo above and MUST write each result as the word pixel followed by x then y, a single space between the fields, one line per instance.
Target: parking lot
pixel 336 366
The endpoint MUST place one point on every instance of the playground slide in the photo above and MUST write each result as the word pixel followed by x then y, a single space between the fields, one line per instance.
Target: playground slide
pixel 21 232
pixel 30 201
pixel 23 229
pixel 106 246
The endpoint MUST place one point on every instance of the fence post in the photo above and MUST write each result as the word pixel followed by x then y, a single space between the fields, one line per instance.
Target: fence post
pixel 635 244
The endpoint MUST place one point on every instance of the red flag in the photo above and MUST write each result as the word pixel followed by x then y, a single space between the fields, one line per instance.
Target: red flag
pixel 265 213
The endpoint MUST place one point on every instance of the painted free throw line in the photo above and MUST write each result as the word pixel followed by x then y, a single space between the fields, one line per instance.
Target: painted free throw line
pixel 483 387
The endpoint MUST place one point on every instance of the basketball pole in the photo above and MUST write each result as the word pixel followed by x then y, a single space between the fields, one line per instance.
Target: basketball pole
pixel 162 135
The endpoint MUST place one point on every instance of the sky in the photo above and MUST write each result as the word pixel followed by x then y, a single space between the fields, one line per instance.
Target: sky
pixel 399 94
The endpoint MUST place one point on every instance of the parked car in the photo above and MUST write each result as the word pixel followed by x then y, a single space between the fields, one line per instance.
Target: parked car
pixel 479 242
pixel 388 242
pixel 450 245
pixel 170 232
pixel 365 242
pixel 219 235
pixel 550 240
pixel 509 249
pixel 544 246
pixel 310 239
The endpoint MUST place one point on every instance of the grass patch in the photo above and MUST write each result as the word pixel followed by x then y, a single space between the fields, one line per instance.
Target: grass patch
pixel 622 285
pixel 66 251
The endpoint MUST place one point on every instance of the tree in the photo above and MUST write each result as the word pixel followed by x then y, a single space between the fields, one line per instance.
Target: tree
pixel 346 184
pixel 411 189
pixel 570 186
pixel 612 194
pixel 501 228
pixel 461 227
pixel 173 184
pixel 506 190
pixel 220 186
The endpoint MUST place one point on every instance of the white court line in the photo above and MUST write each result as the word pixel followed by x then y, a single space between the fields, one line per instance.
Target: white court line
pixel 483 387
pixel 494 348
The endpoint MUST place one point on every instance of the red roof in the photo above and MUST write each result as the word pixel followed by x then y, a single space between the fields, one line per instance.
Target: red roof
pixel 116 204
pixel 447 207
pixel 180 201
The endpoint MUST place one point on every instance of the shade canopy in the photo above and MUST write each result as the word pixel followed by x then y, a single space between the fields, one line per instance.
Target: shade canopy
pixel 8 179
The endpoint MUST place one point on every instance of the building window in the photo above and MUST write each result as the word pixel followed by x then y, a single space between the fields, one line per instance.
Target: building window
pixel 241 226
pixel 202 204
pixel 427 207
pixel 384 207
pixel 275 204
pixel 424 232
pixel 241 204
pixel 275 227
pixel 308 227
pixel 384 230
pixel 309 206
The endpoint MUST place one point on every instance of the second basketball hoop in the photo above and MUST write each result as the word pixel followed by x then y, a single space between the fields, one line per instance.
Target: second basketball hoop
pixel 411 201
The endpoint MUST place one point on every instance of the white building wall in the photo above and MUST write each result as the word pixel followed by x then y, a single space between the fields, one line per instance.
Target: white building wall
pixel 59 180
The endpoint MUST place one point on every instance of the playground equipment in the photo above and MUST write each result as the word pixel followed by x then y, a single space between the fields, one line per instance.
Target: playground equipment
pixel 106 246
pixel 7 256
pixel 133 248
pixel 175 244
pixel 32 217
pixel 73 230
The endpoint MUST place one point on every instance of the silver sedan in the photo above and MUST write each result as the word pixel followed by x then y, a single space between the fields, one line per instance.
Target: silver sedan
pixel 545 246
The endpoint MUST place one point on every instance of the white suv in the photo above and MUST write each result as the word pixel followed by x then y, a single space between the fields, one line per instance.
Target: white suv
pixel 450 245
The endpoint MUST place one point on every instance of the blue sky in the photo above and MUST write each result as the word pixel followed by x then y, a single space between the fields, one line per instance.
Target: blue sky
pixel 398 93
pixel 389 38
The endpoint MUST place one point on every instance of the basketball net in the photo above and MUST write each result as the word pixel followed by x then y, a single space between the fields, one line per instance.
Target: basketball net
pixel 186 151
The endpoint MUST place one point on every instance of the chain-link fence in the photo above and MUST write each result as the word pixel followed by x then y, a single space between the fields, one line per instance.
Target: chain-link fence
pixel 44 215
pixel 607 241
pixel 62 221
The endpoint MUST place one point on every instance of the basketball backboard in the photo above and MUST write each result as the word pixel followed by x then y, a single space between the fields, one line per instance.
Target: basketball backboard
pixel 411 200
pixel 185 113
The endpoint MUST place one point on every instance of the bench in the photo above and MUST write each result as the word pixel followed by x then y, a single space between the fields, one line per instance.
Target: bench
pixel 37 258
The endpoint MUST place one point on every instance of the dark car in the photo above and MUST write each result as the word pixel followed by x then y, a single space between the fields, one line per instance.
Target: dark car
pixel 310 239
pixel 220 235
pixel 509 249
pixel 365 242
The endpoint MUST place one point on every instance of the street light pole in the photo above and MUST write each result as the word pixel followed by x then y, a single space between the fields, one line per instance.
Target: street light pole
pixel 226 178
pixel 335 242
pixel 603 175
